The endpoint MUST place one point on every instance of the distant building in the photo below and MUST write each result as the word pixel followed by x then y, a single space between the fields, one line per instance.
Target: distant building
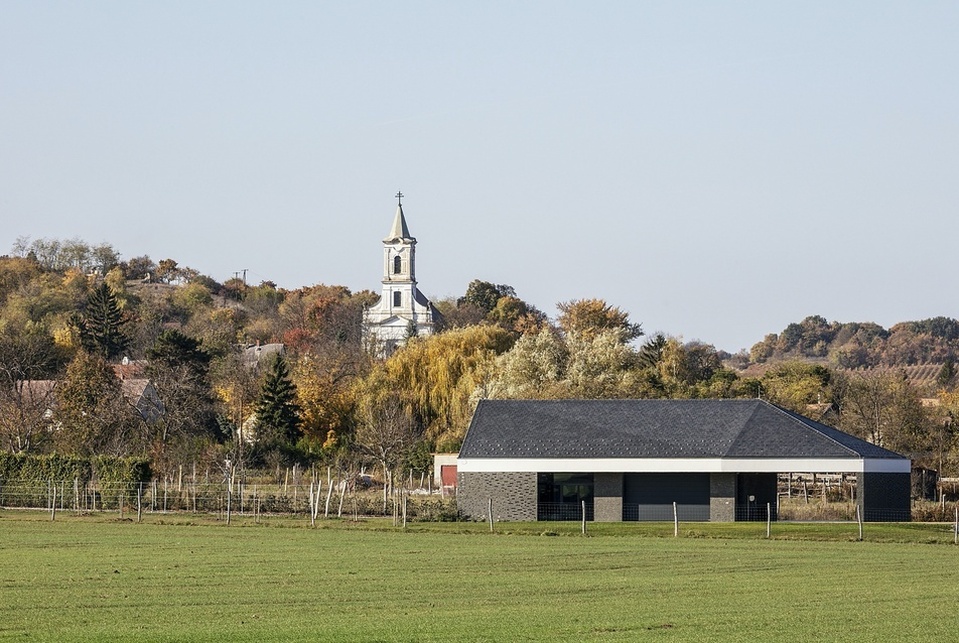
pixel 138 392
pixel 402 311
pixel 254 355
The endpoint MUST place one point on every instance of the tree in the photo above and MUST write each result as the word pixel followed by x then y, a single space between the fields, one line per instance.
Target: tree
pixel 884 409
pixel 516 316
pixel 437 377
pixel 385 429
pixel 278 413
pixel 93 416
pixel 592 316
pixel 651 352
pixel 179 369
pixel 796 384
pixel 101 324
pixel 324 384
pixel 27 354
pixel 484 295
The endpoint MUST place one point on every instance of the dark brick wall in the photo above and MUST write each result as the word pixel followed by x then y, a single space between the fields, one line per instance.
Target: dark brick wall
pixel 513 494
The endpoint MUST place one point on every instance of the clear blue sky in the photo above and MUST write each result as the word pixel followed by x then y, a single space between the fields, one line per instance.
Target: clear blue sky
pixel 718 170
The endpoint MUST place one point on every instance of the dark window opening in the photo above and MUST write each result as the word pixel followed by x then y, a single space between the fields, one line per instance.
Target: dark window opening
pixel 397 265
pixel 397 298
pixel 561 496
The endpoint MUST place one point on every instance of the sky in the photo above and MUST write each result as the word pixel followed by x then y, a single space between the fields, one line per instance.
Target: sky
pixel 716 169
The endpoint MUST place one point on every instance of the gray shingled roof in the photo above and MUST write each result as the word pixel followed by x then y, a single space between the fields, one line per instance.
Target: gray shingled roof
pixel 654 429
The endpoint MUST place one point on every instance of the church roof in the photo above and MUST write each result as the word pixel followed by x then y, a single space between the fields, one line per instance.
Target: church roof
pixel 399 229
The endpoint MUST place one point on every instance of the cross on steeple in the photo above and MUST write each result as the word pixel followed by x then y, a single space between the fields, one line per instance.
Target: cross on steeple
pixel 399 198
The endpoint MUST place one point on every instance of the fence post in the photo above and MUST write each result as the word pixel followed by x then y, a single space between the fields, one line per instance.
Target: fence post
pixel 768 517
pixel 229 498
pixel 859 520
pixel 675 521
pixel 490 515
pixel 584 516
pixel 53 500
pixel 140 502
pixel 955 528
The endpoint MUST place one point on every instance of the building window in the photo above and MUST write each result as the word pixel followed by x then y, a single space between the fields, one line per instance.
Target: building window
pixel 397 265
pixel 397 298
pixel 561 496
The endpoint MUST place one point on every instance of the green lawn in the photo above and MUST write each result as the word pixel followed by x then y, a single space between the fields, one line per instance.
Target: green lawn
pixel 98 578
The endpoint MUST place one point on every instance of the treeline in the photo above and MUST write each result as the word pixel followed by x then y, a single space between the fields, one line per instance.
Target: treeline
pixel 862 345
pixel 147 359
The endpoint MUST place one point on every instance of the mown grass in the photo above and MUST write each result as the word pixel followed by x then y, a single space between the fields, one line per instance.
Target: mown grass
pixel 96 578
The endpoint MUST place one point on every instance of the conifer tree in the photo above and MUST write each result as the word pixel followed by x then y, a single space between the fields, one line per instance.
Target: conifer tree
pixel 277 411
pixel 101 325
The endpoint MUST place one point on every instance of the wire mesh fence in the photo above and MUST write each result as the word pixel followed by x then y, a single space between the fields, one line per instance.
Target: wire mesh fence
pixel 309 498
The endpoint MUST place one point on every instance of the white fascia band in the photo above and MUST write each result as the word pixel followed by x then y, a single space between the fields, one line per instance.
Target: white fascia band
pixel 683 465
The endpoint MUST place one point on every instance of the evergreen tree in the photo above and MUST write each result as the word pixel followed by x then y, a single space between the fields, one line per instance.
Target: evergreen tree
pixel 277 412
pixel 101 325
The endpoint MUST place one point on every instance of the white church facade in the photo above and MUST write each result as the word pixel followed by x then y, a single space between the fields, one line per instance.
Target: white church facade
pixel 402 311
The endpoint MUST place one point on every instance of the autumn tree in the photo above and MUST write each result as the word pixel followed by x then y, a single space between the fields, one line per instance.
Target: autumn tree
pixel 592 316
pixel 93 415
pixel 535 368
pixel 883 408
pixel 485 295
pixel 795 384
pixel 385 430
pixel 28 358
pixel 437 377
pixel 325 388
pixel 179 369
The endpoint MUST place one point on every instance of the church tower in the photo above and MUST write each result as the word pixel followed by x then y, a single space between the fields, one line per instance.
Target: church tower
pixel 402 311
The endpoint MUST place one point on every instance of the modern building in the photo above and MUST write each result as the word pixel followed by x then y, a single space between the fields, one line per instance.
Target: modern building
pixel 402 311
pixel 718 460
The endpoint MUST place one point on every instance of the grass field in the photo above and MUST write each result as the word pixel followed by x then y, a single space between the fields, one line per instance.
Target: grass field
pixel 96 578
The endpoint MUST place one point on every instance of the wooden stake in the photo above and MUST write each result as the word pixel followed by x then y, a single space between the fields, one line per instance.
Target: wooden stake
pixel 140 502
pixel 768 518
pixel 329 495
pixel 491 515
pixel 583 502
pixel 675 521
pixel 859 520
pixel 53 503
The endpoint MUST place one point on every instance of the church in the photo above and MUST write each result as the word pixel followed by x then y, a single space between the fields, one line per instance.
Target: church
pixel 402 311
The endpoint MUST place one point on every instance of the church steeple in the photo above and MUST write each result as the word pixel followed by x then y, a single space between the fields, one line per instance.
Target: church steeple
pixel 402 310
pixel 399 229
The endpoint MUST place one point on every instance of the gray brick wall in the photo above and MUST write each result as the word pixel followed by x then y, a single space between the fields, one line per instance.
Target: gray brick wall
pixel 722 497
pixel 608 497
pixel 513 494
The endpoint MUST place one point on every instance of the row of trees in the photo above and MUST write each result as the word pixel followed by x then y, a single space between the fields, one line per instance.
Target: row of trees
pixel 327 398
pixel 859 345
